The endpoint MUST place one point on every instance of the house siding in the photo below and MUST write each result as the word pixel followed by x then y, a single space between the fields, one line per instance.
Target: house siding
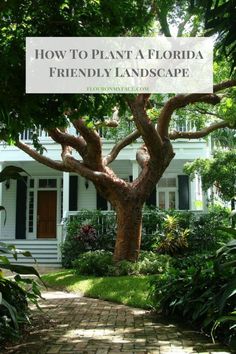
pixel 86 197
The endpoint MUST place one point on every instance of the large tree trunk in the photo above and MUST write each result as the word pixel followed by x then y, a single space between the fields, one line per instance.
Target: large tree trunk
pixel 129 232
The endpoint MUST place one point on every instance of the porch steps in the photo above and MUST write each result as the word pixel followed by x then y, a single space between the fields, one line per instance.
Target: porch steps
pixel 44 251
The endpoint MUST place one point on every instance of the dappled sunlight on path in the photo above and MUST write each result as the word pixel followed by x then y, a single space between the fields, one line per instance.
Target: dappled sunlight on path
pixel 83 325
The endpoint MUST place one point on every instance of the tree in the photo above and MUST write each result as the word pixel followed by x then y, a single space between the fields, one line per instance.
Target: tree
pixel 220 19
pixel 220 172
pixel 52 112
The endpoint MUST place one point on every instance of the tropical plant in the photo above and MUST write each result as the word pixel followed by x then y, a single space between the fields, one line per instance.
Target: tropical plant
pixel 203 293
pixel 87 236
pixel 89 230
pixel 174 239
pixel 15 293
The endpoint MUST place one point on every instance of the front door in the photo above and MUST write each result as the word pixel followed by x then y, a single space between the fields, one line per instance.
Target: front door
pixel 47 212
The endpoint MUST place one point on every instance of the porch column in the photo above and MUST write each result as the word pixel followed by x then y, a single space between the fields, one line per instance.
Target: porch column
pixel 205 201
pixel 135 169
pixel 66 185
pixel 193 193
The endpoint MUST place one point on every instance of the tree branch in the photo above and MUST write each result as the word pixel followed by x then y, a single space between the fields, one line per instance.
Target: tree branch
pixel 203 111
pixel 183 24
pixel 163 22
pixel 145 126
pixel 198 134
pixel 119 146
pixel 79 167
pixel 180 101
pixel 66 151
pixel 93 156
pixel 63 138
pixel 223 85
pixel 42 159
pixel 142 156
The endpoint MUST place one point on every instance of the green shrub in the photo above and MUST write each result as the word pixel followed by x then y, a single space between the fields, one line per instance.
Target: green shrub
pixel 168 237
pixel 203 293
pixel 203 235
pixel 195 261
pixel 98 263
pixel 101 263
pixel 88 231
pixel 152 263
pixel 148 263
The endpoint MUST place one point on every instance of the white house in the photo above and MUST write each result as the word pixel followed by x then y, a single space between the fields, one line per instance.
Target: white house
pixel 35 207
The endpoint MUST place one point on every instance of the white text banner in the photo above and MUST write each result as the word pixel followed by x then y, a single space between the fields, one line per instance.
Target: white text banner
pixel 119 65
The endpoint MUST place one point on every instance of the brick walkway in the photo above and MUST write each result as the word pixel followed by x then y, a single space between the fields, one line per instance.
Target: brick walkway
pixel 83 325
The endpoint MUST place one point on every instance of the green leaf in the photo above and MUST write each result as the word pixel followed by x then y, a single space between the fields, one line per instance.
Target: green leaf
pixel 21 269
pixel 26 253
pixel 5 212
pixel 229 292
pixel 12 312
pixel 4 260
pixel 11 172
pixel 231 317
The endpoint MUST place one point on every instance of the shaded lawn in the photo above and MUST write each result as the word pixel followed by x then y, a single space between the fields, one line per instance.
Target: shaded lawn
pixel 128 290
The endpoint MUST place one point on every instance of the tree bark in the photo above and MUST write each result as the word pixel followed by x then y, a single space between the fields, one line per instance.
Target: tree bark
pixel 129 232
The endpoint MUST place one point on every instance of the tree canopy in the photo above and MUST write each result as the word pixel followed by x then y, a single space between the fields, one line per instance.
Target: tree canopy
pixel 20 19
pixel 220 19
pixel 218 172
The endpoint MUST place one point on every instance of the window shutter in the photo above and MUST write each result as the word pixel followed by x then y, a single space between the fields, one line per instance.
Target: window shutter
pixel 73 193
pixel 183 192
pixel 21 207
pixel 152 199
pixel 101 202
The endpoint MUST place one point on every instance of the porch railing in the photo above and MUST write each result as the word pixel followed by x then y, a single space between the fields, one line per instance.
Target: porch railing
pixel 27 135
pixel 107 221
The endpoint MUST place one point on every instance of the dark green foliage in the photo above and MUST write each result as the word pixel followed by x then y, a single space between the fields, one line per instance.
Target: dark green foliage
pixel 187 261
pixel 202 292
pixel 203 234
pixel 94 263
pixel 15 293
pixel 199 232
pixel 100 263
pixel 68 18
pixel 101 235
pixel 13 309
pixel 220 18
pixel 148 263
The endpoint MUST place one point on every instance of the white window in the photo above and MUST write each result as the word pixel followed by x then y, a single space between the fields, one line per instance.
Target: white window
pixel 167 193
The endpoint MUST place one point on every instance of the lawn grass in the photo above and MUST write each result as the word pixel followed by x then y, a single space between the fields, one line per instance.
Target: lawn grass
pixel 128 290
